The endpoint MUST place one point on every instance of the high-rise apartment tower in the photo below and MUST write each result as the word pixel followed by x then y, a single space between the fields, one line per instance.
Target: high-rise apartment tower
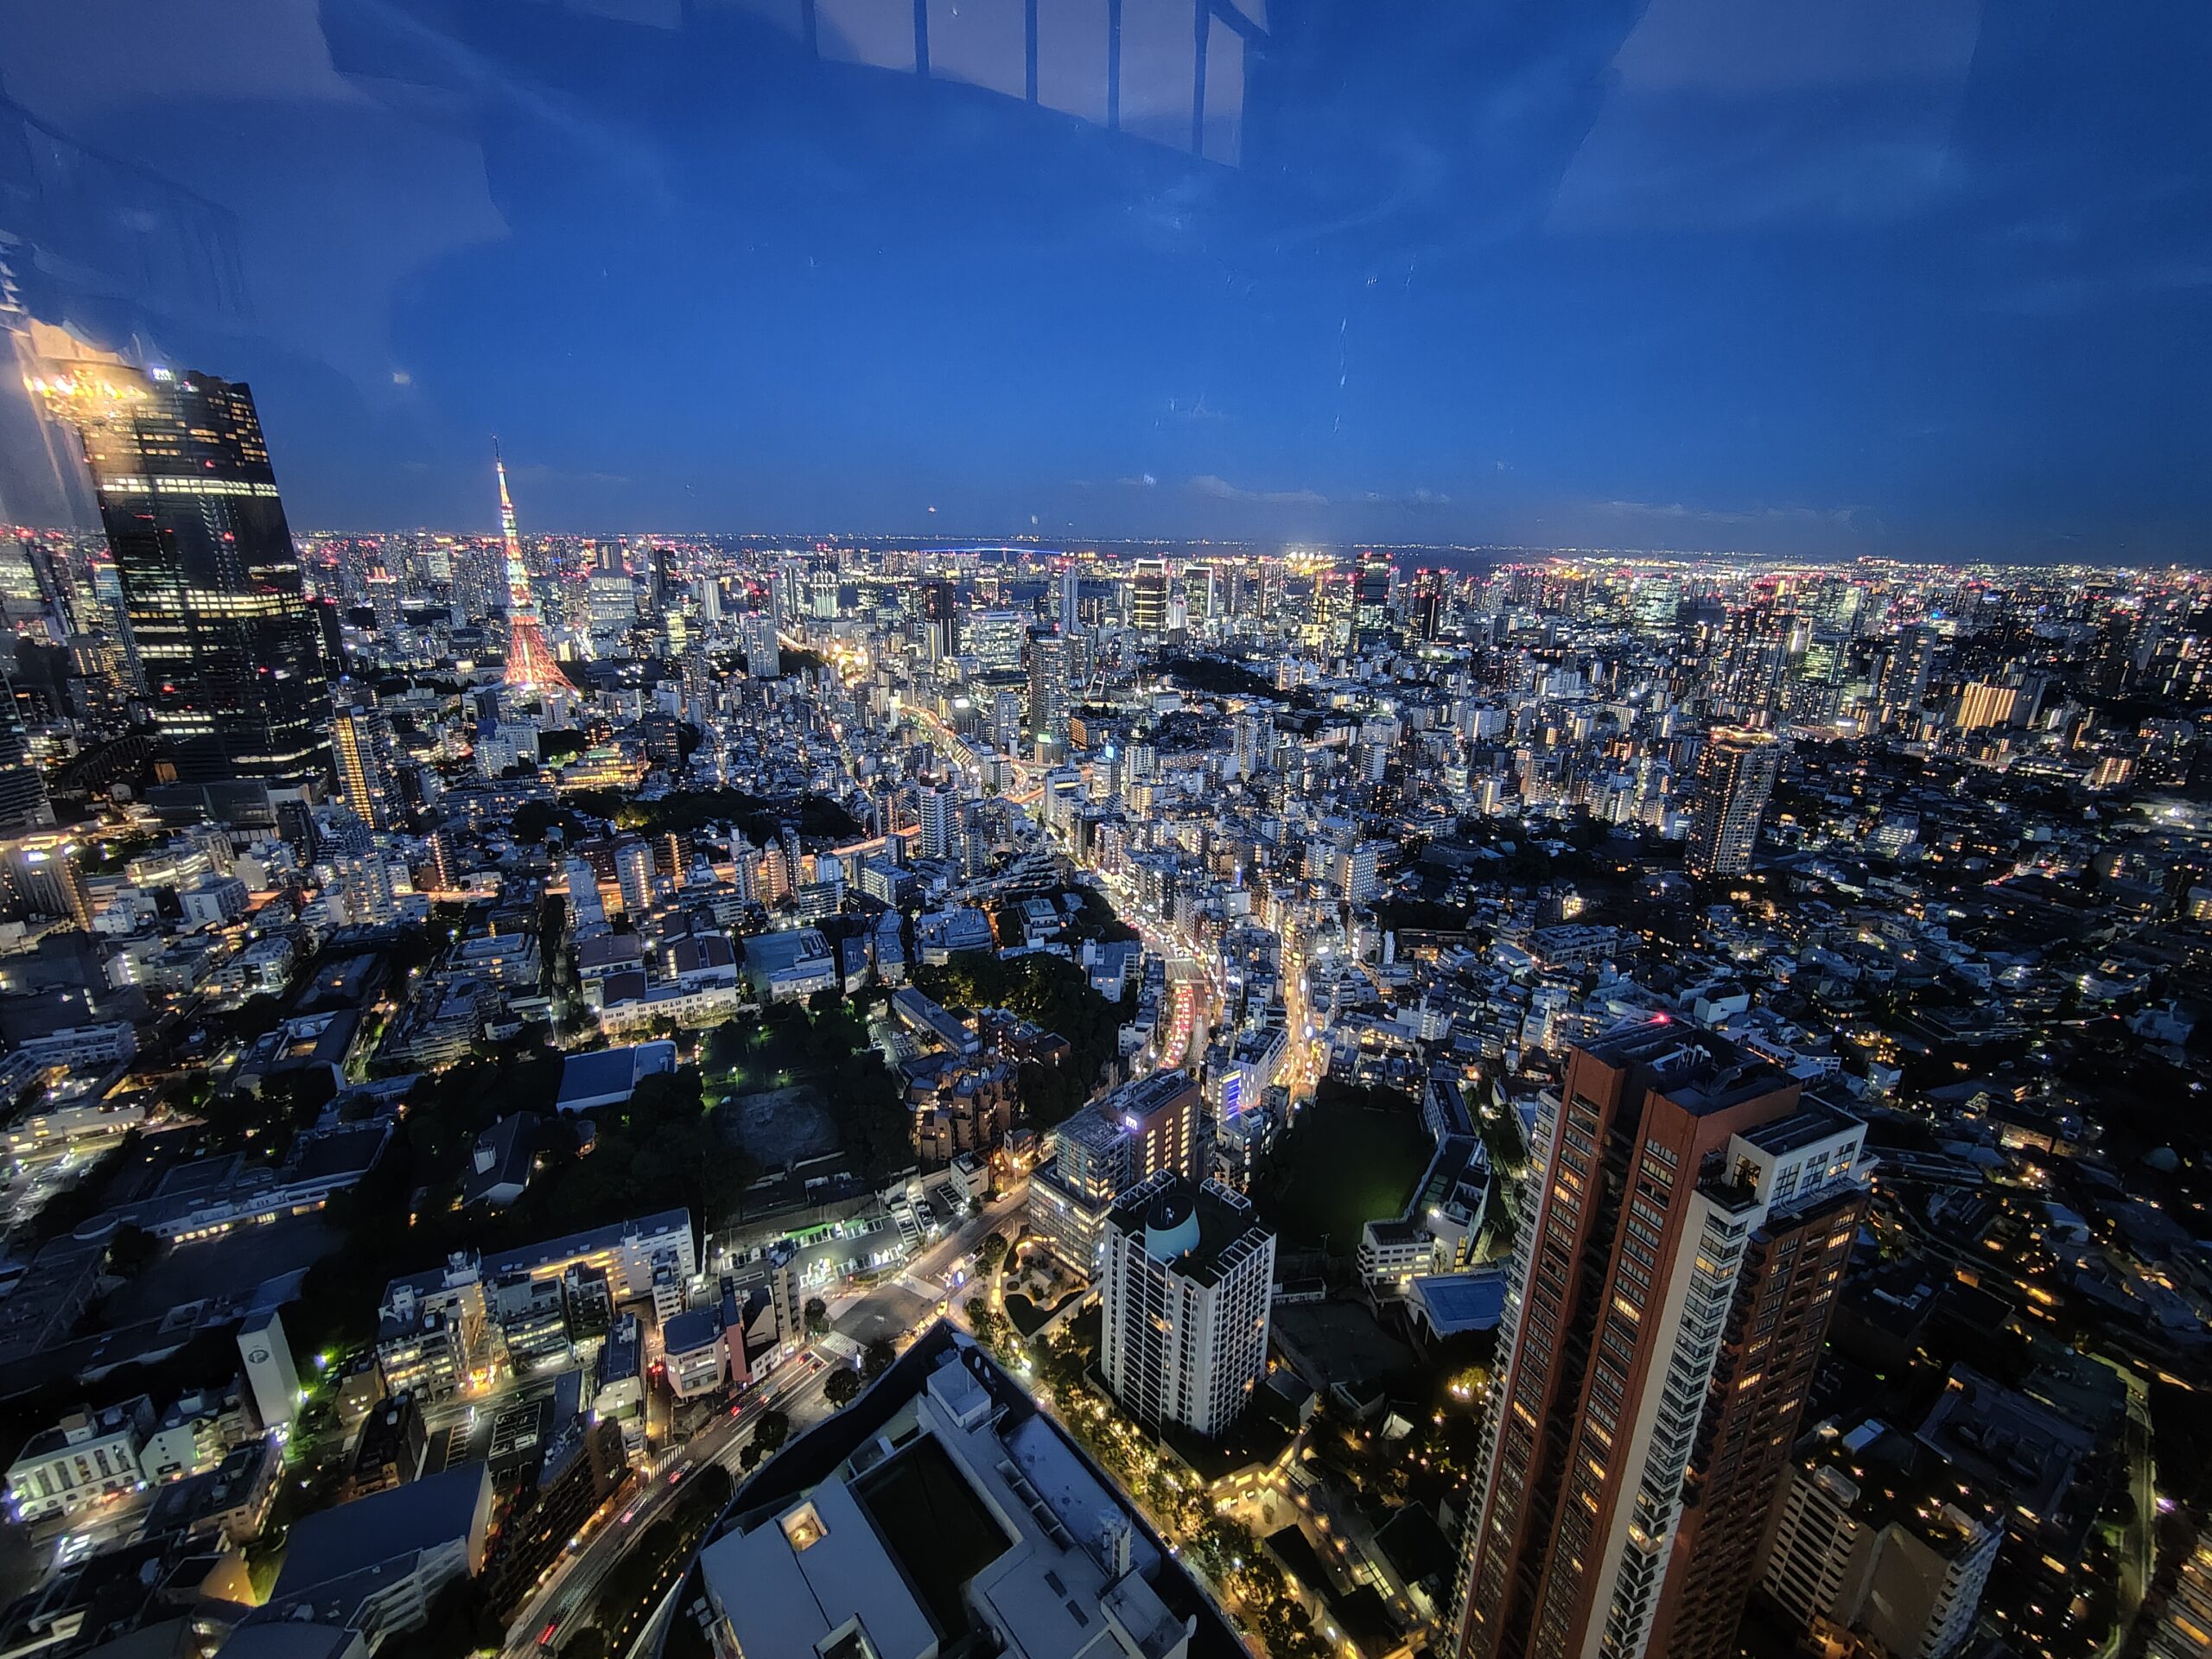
pixel 1736 773
pixel 1686 1219
pixel 1188 1276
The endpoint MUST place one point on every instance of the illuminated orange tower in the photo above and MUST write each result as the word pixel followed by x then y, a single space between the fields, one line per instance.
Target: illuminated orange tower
pixel 532 666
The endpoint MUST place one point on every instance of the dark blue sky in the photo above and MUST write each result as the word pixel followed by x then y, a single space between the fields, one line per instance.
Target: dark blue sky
pixel 1923 277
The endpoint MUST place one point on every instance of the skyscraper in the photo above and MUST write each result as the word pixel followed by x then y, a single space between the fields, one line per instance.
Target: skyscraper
pixel 1735 772
pixel 940 615
pixel 219 623
pixel 1048 687
pixel 1201 598
pixel 1428 605
pixel 996 638
pixel 23 801
pixel 763 660
pixel 1686 1221
pixel 940 817
pixel 1907 667
pixel 531 671
pixel 357 742
pixel 1189 1273
pixel 1149 598
pixel 1370 600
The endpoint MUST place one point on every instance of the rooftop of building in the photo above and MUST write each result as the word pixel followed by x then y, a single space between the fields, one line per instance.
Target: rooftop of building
pixel 595 1075
pixel 357 1537
pixel 533 1259
pixel 1698 1070
pixel 1146 1095
pixel 952 1511
pixel 1462 1301
pixel 1895 1480
pixel 1207 1231
pixel 779 952
pixel 1810 1125
pixel 1456 1158
pixel 179 1504
pixel 693 1329
pixel 2006 1443
pixel 1092 1128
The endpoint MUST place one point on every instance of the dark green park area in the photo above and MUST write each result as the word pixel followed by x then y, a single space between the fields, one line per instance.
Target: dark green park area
pixel 1055 993
pixel 1353 1156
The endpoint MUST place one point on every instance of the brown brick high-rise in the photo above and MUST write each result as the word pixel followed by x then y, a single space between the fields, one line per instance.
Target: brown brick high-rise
pixel 1686 1219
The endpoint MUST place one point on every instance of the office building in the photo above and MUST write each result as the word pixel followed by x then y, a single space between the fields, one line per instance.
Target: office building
pixel 219 625
pixel 940 620
pixel 1686 1218
pixel 1188 1278
pixel 1428 607
pixel 23 801
pixel 1141 1129
pixel 995 638
pixel 1736 773
pixel 85 1459
pixel 1149 598
pixel 42 875
pixel 1370 600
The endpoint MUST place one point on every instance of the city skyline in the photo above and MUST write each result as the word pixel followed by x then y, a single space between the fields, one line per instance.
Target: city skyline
pixel 1925 280
pixel 1105 829
pixel 1017 543
pixel 1453 1071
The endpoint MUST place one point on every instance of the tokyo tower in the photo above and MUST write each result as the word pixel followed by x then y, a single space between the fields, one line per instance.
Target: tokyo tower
pixel 532 666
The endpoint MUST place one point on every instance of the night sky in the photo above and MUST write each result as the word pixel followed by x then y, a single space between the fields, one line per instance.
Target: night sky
pixel 1913 278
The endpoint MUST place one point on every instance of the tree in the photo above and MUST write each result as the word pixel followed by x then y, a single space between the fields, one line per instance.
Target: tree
pixel 131 1251
pixel 532 819
pixel 877 1359
pixel 770 1429
pixel 992 1251
pixel 843 1385
pixel 817 1317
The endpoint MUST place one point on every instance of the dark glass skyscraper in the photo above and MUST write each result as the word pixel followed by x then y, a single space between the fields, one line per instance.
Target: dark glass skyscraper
pixel 1370 600
pixel 221 626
